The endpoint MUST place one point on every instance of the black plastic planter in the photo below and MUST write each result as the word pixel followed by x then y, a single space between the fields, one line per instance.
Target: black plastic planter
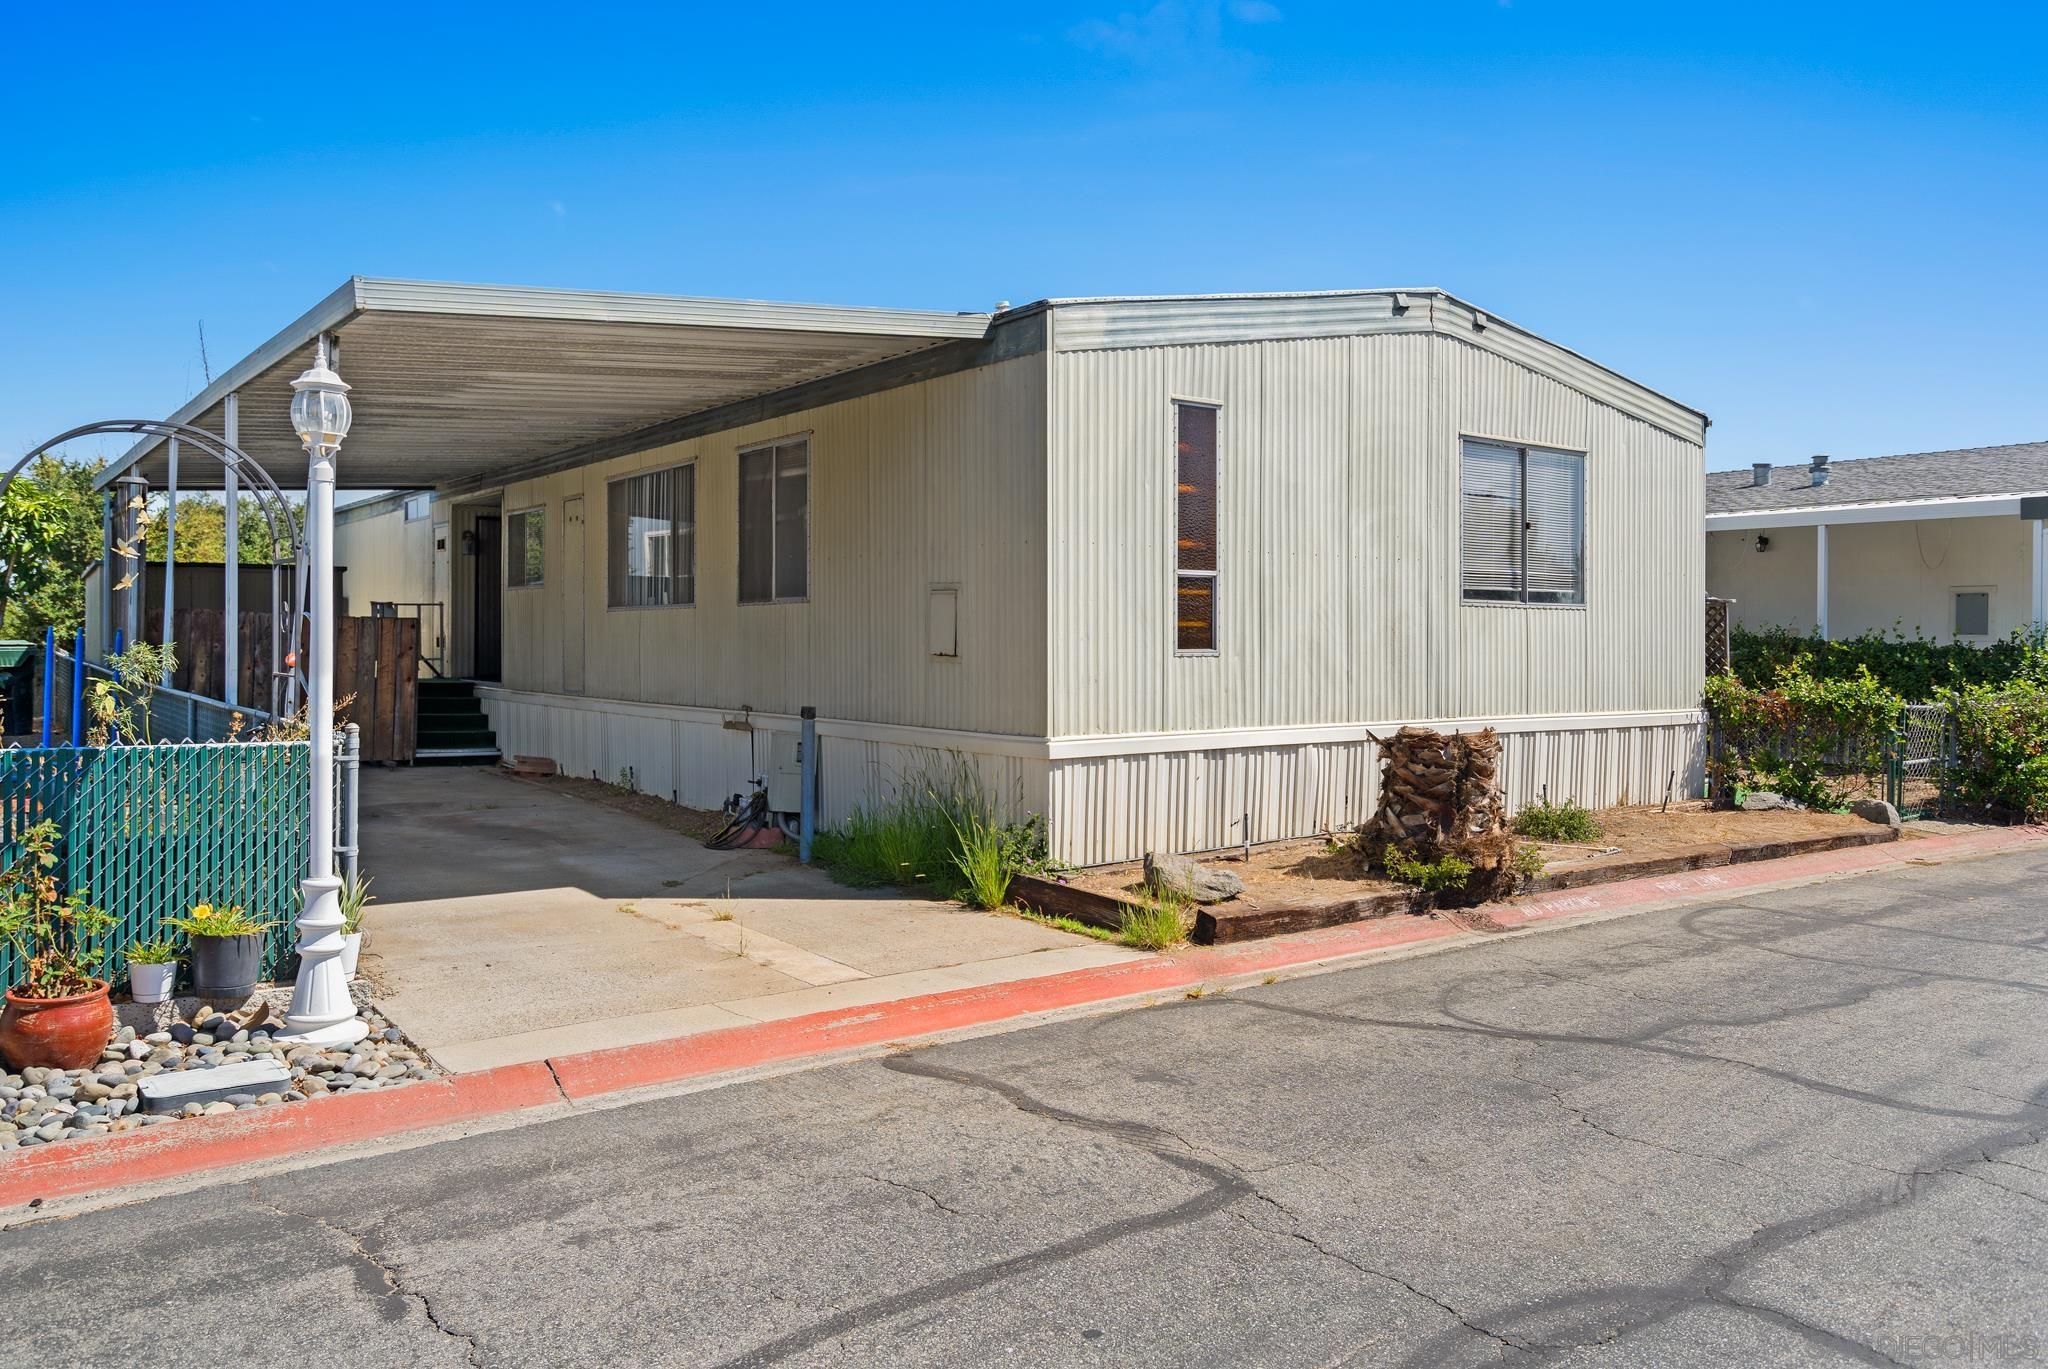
pixel 227 967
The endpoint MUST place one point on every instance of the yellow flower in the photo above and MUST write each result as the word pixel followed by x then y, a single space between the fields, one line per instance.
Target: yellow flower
pixel 202 910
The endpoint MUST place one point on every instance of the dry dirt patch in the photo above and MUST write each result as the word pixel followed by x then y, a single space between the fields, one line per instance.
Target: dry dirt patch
pixel 1314 871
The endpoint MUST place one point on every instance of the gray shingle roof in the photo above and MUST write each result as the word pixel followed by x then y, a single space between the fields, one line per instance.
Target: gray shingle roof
pixel 2020 468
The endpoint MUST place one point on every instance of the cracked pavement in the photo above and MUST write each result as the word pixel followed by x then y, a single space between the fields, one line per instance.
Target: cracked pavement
pixel 1804 1126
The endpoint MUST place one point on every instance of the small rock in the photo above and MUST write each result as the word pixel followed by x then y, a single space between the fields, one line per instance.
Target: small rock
pixel 157 1038
pixel 238 1099
pixel 1171 874
pixel 1764 801
pixel 202 1038
pixel 49 1132
pixel 1876 810
pixel 36 1074
pixel 266 1099
pixel 391 1071
pixel 124 1036
pixel 392 1034
pixel 218 1109
pixel 192 1109
pixel 138 1050
pixel 182 1034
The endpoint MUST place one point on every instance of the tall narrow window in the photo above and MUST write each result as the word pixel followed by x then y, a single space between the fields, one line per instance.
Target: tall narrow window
pixel 1521 524
pixel 1195 528
pixel 525 549
pixel 775 544
pixel 651 539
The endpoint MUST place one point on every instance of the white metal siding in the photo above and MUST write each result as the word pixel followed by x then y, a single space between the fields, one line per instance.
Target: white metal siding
pixel 1338 597
pixel 940 482
pixel 691 756
pixel 1109 808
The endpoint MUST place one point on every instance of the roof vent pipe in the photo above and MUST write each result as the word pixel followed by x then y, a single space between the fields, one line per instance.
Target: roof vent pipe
pixel 1759 472
pixel 1820 468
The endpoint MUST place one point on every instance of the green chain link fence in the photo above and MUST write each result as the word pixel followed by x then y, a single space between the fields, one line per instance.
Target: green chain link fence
pixel 148 831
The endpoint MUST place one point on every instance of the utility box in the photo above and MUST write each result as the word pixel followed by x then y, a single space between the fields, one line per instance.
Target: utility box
pixel 785 772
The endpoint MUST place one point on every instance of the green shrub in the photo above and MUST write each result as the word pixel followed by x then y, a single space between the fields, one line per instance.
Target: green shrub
pixel 1803 736
pixel 1155 922
pixel 1445 874
pixel 2001 759
pixel 1547 821
pixel 1918 669
pixel 1528 863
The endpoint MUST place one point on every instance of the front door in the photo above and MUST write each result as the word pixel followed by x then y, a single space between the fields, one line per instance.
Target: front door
pixel 572 595
pixel 486 654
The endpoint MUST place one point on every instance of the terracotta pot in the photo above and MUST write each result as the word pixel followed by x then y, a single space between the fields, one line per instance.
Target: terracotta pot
pixel 56 1033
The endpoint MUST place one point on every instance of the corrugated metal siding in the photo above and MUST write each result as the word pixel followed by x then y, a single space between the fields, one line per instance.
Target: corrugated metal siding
pixel 941 482
pixel 1112 808
pixel 1338 599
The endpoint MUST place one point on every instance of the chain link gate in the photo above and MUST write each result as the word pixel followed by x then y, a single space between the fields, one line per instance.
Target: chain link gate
pixel 1917 774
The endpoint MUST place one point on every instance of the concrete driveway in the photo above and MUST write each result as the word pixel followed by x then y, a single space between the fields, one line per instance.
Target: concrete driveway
pixel 516 921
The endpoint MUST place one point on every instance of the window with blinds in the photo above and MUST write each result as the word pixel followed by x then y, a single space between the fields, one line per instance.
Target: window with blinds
pixel 1195 561
pixel 525 550
pixel 651 539
pixel 775 542
pixel 1521 524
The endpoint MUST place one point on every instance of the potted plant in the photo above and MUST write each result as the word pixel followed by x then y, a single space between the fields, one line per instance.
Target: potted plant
pixel 355 897
pixel 227 950
pixel 152 971
pixel 58 1014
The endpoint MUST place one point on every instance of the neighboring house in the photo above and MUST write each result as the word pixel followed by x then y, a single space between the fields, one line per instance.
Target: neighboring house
pixel 1163 567
pixel 1948 545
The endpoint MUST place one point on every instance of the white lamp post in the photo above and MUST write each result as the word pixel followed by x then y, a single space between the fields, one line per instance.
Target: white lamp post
pixel 322 1012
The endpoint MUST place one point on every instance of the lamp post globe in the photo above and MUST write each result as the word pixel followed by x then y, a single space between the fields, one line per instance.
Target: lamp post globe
pixel 320 410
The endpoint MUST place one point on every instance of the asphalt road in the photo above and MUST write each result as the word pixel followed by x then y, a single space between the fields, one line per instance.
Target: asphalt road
pixel 1801 1127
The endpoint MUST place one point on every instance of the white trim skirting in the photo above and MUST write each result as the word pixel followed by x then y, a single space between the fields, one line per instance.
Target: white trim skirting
pixel 1105 798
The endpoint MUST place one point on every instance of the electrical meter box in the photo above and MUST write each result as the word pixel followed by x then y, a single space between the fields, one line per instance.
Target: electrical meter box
pixel 785 772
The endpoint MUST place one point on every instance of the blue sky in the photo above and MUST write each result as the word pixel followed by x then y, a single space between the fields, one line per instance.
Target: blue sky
pixel 1824 226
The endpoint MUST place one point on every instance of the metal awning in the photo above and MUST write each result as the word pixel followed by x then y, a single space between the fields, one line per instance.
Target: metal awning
pixel 452 383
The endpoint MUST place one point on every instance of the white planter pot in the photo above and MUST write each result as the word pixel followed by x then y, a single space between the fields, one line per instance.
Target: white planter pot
pixel 351 949
pixel 152 983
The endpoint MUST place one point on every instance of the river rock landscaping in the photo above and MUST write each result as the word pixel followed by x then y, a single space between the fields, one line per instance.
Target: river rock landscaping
pixel 48 1106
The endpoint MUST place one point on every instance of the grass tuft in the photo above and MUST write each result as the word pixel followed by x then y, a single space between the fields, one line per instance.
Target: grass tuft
pixel 939 831
pixel 1068 924
pixel 1156 922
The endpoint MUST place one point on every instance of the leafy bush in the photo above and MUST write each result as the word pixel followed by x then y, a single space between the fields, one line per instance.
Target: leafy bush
pixel 2001 759
pixel 1917 668
pixel 1445 874
pixel 1547 821
pixel 55 934
pixel 939 831
pixel 1155 922
pixel 1803 736
pixel 1528 863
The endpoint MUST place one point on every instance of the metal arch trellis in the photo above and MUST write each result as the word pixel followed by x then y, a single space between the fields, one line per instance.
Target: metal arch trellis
pixel 270 501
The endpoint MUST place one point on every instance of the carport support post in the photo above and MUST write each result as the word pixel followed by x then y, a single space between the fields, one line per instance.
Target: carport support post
pixel 807 782
pixel 1820 579
pixel 231 556
pixel 322 1012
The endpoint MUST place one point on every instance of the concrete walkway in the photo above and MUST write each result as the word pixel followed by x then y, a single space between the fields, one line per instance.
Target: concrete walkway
pixel 515 921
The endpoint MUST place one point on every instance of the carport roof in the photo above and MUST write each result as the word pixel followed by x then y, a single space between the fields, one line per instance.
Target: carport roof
pixel 453 382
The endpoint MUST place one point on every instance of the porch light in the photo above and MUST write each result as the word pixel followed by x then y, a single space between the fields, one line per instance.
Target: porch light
pixel 320 412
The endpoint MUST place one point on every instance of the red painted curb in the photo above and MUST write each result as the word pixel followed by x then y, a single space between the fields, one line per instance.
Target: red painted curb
pixel 212 1143
pixel 204 1143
